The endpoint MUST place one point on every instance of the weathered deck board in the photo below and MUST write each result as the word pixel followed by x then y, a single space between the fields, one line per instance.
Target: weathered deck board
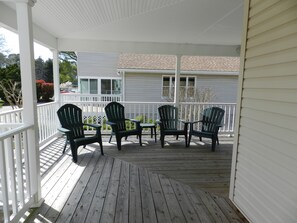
pixel 196 166
pixel 111 189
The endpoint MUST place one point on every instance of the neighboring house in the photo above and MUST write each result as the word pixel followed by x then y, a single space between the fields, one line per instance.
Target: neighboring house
pixel 144 77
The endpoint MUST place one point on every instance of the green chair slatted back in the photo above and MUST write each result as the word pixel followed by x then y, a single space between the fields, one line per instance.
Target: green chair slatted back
pixel 168 116
pixel 169 123
pixel 70 117
pixel 115 112
pixel 211 119
pixel 71 121
pixel 211 122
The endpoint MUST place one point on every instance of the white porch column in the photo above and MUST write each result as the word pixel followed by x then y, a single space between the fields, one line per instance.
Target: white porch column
pixel 177 80
pixel 123 85
pixel 24 20
pixel 56 74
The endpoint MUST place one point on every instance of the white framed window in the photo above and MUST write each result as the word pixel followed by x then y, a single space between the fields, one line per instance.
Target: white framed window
pixel 111 86
pixel 90 85
pixel 187 87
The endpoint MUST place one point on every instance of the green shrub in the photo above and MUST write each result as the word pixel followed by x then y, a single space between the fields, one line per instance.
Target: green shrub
pixel 47 91
pixel 39 84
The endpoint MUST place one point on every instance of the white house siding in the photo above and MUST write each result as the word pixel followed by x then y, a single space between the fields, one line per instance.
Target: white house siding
pixel 224 89
pixel 97 64
pixel 264 172
pixel 143 87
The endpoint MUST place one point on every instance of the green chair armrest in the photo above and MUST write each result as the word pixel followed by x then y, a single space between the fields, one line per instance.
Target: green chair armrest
pixel 134 120
pixel 63 130
pixel 96 126
pixel 110 123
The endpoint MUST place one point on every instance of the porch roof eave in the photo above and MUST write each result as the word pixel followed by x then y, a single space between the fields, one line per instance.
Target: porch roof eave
pixel 86 45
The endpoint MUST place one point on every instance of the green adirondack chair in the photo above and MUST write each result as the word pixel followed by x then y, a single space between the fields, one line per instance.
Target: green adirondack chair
pixel 169 123
pixel 115 113
pixel 70 117
pixel 210 124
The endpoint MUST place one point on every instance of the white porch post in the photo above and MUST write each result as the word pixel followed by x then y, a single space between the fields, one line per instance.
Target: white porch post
pixel 177 81
pixel 123 85
pixel 24 20
pixel 56 74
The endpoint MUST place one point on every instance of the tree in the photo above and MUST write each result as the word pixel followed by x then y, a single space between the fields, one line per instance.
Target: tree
pixel 48 71
pixel 39 68
pixel 13 59
pixel 69 56
pixel 2 60
pixel 68 68
pixel 198 94
pixel 10 85
pixel 3 51
pixel 3 46
pixel 12 91
pixel 68 72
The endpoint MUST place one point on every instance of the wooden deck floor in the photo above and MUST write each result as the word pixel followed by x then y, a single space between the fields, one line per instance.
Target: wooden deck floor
pixel 136 184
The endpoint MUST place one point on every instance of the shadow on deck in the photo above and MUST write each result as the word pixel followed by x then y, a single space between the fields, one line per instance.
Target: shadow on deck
pixel 137 184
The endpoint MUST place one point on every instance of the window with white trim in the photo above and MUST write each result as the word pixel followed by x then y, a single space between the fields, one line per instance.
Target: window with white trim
pixel 187 87
pixel 98 85
pixel 88 86
pixel 111 86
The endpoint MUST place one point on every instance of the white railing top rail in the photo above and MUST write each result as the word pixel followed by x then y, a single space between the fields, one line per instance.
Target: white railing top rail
pixel 17 128
pixel 11 111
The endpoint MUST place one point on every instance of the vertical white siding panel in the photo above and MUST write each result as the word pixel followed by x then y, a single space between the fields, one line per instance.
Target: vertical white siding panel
pixel 264 168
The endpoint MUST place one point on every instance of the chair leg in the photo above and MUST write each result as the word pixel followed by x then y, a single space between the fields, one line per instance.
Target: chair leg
pixel 65 146
pixel 176 137
pixel 119 142
pixel 213 144
pixel 189 140
pixel 139 136
pixel 162 138
pixel 73 152
pixel 110 138
pixel 101 146
pixel 186 139
pixel 218 140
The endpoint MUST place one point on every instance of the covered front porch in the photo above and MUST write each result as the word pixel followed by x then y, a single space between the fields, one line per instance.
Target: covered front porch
pixel 137 184
pixel 195 167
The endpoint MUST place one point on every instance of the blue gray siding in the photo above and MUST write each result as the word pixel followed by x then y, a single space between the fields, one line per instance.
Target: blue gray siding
pixel 97 64
pixel 143 87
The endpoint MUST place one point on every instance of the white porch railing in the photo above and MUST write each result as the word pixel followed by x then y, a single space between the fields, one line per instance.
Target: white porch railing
pixel 16 191
pixel 72 97
pixel 148 112
pixel 47 121
pixel 193 111
pixel 15 196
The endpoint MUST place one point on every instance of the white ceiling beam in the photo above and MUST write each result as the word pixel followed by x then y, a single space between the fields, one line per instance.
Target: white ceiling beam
pixel 147 48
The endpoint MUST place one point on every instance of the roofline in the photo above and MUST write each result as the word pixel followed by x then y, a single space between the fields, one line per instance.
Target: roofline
pixel 207 72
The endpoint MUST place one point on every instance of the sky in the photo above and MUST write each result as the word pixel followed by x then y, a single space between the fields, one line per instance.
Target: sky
pixel 12 44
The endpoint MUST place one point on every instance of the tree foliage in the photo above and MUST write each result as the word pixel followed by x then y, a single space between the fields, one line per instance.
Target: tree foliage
pixel 10 76
pixel 68 72
pixel 12 91
pixel 69 56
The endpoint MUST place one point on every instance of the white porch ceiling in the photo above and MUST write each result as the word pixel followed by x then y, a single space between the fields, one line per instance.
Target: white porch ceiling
pixel 140 24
